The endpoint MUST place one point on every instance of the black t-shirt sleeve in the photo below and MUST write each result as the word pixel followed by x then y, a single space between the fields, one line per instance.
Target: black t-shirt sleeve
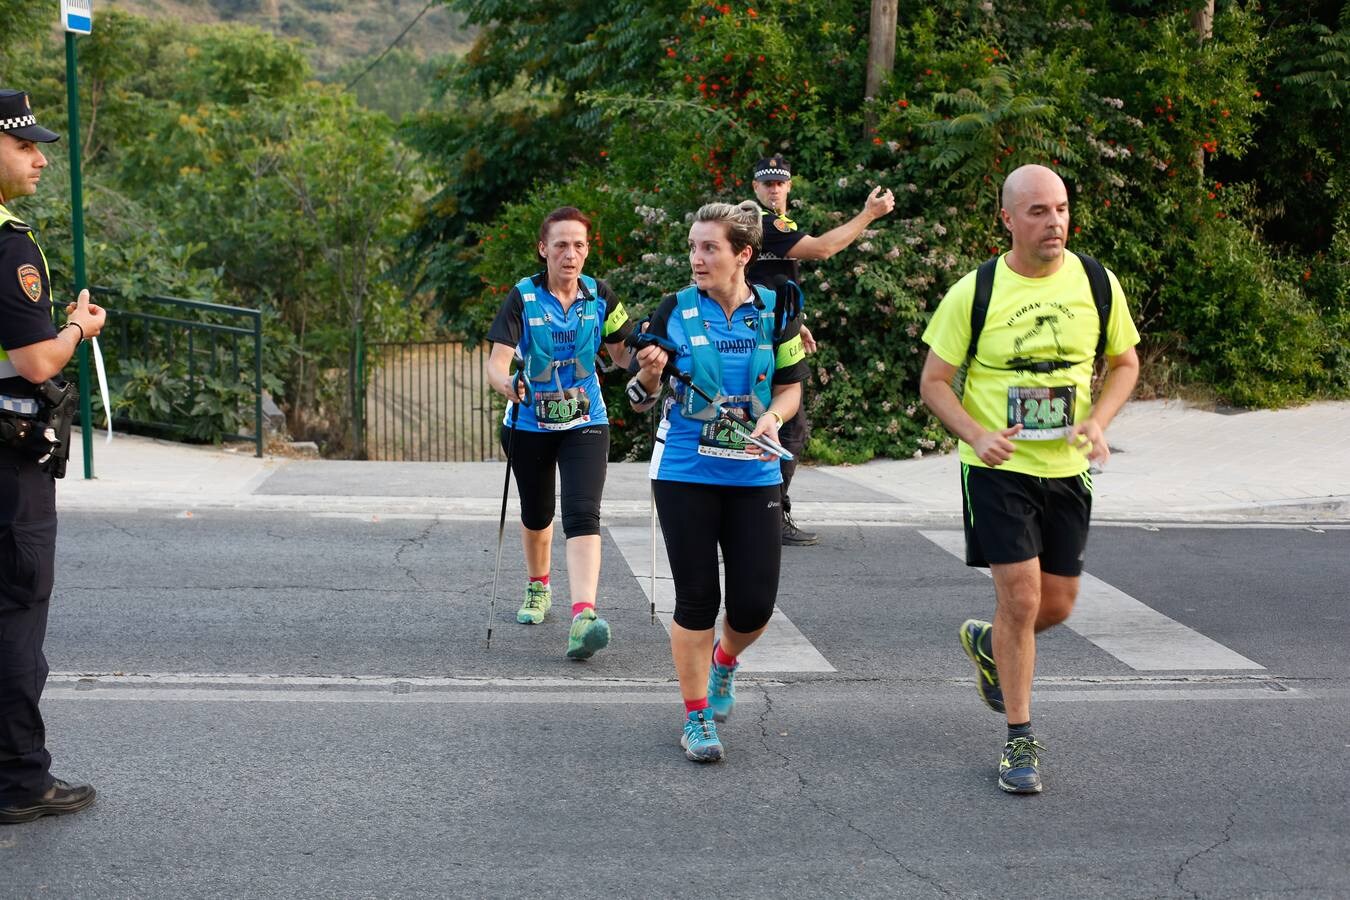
pixel 777 243
pixel 23 320
pixel 611 302
pixel 509 325
pixel 660 322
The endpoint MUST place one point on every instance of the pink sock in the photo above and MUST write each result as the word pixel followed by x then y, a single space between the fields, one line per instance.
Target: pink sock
pixel 543 579
pixel 721 658
pixel 578 607
pixel 695 705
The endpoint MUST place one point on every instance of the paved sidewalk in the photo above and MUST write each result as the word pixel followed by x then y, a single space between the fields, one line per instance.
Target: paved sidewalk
pixel 1171 462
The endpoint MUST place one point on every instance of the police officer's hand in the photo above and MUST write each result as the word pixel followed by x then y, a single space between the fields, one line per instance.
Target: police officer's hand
pixel 879 202
pixel 994 448
pixel 1089 438
pixel 89 316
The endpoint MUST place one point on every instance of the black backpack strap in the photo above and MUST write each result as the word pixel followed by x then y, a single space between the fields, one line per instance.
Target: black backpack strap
pixel 979 307
pixel 1101 296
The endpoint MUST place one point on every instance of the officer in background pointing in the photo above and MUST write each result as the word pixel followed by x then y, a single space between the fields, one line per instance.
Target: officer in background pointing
pixel 36 409
pixel 783 246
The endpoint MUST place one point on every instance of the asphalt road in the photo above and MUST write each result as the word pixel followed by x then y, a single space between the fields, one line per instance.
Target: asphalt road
pixel 306 709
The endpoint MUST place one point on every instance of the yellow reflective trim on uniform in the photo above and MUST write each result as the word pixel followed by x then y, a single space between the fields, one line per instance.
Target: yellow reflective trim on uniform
pixel 615 320
pixel 789 353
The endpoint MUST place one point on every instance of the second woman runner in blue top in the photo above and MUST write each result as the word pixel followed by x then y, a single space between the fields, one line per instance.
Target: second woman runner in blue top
pixel 712 487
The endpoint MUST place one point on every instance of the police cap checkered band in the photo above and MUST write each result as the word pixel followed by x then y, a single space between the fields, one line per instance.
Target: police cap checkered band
pixel 773 168
pixel 16 118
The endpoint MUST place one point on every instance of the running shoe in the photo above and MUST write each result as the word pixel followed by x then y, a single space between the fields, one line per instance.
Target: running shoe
pixel 721 690
pixel 699 740
pixel 538 599
pixel 986 674
pixel 588 634
pixel 1019 769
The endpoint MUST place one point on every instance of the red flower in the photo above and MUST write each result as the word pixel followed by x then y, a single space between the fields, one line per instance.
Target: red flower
pixel 727 58
pixel 751 13
pixel 670 51
pixel 902 103
pixel 876 140
pixel 604 153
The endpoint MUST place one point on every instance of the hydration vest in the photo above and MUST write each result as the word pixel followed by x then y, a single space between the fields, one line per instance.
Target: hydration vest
pixel 706 361
pixel 539 361
pixel 12 222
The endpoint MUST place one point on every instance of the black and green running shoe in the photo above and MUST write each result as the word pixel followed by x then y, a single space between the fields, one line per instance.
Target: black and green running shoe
pixel 1019 768
pixel 973 632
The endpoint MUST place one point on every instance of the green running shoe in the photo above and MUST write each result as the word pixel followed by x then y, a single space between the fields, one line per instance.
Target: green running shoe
pixel 986 674
pixel 1019 768
pixel 538 599
pixel 588 634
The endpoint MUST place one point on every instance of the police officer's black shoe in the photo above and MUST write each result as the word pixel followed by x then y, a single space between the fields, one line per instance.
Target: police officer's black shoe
pixel 794 536
pixel 61 799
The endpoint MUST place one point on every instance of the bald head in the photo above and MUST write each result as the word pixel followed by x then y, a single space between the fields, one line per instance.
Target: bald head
pixel 1036 214
pixel 1027 180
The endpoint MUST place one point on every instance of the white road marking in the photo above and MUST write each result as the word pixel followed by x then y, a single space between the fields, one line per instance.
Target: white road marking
pixel 234 695
pixel 782 648
pixel 1134 633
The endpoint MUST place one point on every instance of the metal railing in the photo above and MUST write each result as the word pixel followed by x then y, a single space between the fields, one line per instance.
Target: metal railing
pixel 428 401
pixel 206 339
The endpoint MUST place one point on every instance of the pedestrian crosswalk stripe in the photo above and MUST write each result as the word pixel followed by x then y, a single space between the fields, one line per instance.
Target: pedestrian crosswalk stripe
pixel 1134 633
pixel 782 647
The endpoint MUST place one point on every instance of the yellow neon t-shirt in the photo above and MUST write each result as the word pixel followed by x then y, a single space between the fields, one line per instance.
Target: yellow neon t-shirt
pixel 1031 320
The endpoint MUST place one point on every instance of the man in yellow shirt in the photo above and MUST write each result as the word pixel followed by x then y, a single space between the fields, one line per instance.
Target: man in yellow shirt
pixel 1028 433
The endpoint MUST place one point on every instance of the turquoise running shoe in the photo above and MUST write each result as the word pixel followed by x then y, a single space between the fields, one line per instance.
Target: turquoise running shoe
pixel 986 673
pixel 1019 768
pixel 587 635
pixel 538 599
pixel 699 740
pixel 721 690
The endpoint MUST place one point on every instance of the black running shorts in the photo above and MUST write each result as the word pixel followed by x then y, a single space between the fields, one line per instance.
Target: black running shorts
pixel 1011 517
pixel 578 457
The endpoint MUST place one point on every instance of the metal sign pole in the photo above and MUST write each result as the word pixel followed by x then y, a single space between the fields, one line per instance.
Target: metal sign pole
pixel 77 230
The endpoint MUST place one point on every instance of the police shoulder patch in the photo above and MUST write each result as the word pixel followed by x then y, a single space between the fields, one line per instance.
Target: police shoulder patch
pixel 30 281
pixel 784 225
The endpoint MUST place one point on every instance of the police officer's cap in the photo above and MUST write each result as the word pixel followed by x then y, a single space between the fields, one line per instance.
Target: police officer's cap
pixel 16 118
pixel 773 168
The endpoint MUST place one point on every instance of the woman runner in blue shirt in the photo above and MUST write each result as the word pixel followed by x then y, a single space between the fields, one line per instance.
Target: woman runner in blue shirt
pixel 712 487
pixel 556 321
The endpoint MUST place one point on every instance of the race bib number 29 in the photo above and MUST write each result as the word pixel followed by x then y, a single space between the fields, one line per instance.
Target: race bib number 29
pixel 1044 413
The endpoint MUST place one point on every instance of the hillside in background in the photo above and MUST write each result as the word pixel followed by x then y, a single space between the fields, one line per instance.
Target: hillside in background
pixel 338 34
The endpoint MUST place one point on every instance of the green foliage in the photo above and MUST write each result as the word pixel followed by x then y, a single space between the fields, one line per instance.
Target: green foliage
pixel 1152 128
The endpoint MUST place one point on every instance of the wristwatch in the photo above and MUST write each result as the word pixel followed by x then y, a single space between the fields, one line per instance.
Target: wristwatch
pixel 637 393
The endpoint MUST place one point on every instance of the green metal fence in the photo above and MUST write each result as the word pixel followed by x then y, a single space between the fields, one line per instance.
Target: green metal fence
pixel 428 401
pixel 189 342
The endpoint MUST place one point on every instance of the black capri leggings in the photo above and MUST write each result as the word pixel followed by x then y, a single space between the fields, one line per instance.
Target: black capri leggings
pixel 747 523
pixel 581 455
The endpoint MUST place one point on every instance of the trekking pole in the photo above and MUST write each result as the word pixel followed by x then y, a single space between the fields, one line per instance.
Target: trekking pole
pixel 506 489
pixel 651 500
pixel 643 339
pixel 760 441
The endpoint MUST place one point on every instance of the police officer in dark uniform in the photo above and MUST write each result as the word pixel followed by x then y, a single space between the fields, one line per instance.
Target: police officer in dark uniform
pixel 36 408
pixel 783 246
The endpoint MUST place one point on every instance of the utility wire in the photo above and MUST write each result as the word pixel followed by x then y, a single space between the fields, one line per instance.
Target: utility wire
pixel 392 44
